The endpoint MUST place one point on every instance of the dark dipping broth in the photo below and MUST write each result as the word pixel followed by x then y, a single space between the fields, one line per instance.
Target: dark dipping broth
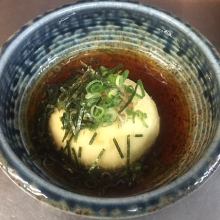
pixel 157 165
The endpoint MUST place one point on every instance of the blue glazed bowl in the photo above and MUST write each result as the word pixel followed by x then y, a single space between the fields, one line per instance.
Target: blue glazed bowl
pixel 72 29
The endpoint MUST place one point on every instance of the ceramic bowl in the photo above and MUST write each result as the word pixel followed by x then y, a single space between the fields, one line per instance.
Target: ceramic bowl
pixel 71 29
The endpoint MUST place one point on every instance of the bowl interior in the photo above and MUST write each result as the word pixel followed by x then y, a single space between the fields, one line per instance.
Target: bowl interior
pixel 58 36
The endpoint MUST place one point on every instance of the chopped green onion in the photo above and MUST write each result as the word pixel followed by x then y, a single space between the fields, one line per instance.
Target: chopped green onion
pixel 103 70
pixel 112 115
pixel 125 74
pixel 119 80
pixel 118 148
pixel 97 111
pixel 92 102
pixel 94 86
pixel 92 95
pixel 93 138
pixel 142 89
pixel 112 92
pixel 95 98
pixel 129 89
pixel 109 117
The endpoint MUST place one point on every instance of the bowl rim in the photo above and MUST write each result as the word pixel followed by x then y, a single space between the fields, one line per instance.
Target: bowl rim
pixel 176 189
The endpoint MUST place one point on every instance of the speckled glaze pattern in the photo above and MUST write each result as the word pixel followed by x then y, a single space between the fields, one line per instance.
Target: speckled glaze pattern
pixel 65 32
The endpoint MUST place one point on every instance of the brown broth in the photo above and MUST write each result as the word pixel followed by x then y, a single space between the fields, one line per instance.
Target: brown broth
pixel 171 144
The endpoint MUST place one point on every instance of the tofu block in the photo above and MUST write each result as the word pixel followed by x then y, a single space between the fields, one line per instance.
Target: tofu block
pixel 111 158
